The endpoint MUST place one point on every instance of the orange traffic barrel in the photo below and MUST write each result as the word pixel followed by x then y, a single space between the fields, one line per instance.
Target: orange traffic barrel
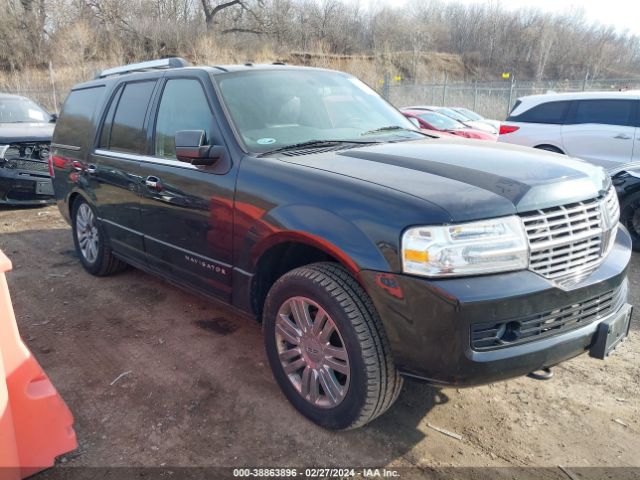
pixel 35 424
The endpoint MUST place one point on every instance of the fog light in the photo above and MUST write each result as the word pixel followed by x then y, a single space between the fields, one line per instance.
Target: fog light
pixel 509 332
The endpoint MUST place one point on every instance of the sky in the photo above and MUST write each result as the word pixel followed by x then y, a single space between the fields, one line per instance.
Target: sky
pixel 622 14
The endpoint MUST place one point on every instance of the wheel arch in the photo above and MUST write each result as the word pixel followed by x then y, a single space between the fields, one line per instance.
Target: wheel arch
pixel 287 251
pixel 550 148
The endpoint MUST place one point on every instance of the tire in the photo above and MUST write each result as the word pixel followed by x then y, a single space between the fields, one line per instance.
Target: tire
pixel 550 148
pixel 368 381
pixel 630 217
pixel 97 260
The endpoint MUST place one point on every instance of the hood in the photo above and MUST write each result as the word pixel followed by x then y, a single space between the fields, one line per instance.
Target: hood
pixel 25 132
pixel 471 180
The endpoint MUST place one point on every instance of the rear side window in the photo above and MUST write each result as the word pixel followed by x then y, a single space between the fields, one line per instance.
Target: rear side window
pixel 607 112
pixel 127 129
pixel 550 112
pixel 75 125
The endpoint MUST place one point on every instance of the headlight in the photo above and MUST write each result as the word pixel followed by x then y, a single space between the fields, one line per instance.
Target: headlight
pixel 3 150
pixel 487 246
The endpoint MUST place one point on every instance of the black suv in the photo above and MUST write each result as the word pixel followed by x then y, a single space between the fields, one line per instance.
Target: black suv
pixel 368 250
pixel 25 136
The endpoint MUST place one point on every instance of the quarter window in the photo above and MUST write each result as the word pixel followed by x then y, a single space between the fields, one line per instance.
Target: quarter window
pixel 75 124
pixel 127 131
pixel 184 106
pixel 550 112
pixel 607 112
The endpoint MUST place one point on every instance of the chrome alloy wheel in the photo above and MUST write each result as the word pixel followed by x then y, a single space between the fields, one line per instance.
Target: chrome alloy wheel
pixel 312 352
pixel 87 233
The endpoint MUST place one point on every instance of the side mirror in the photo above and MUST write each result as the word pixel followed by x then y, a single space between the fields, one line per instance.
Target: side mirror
pixel 190 148
pixel 54 118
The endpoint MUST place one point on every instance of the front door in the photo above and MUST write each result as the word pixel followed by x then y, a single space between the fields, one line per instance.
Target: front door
pixel 187 210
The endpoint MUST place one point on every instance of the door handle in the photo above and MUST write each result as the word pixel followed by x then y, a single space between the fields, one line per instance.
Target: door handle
pixel 91 168
pixel 622 136
pixel 153 183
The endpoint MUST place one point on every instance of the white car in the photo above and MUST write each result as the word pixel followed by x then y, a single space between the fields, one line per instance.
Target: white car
pixel 452 113
pixel 476 117
pixel 599 127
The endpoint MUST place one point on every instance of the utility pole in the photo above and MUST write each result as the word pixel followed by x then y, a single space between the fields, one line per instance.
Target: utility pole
pixel 511 92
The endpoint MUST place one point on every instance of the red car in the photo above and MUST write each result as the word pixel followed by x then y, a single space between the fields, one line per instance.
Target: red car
pixel 430 120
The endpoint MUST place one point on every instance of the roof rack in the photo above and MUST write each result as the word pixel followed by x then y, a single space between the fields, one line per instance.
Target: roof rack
pixel 174 62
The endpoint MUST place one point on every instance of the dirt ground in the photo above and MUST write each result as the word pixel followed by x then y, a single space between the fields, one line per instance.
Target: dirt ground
pixel 200 392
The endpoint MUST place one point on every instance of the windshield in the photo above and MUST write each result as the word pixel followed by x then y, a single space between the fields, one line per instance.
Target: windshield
pixel 274 109
pixel 21 110
pixel 470 114
pixel 441 122
pixel 453 114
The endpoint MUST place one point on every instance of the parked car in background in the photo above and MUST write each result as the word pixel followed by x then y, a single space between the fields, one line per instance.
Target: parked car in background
pixel 368 250
pixel 627 183
pixel 429 120
pixel 476 117
pixel 600 127
pixel 25 138
pixel 452 113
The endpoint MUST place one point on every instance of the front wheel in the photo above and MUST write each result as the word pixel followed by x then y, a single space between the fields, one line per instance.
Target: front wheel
pixel 630 217
pixel 327 348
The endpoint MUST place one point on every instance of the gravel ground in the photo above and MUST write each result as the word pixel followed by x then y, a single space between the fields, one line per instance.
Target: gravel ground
pixel 200 392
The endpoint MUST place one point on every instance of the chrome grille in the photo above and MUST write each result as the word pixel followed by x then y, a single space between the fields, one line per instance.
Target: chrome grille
pixel 29 165
pixel 567 243
pixel 30 157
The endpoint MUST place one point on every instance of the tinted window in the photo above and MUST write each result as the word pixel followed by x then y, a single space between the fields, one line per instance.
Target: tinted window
pixel 105 135
pixel 183 106
pixel 550 112
pixel 127 130
pixel 75 124
pixel 608 112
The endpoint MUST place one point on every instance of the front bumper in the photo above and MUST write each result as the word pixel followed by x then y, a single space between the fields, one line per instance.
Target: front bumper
pixel 19 187
pixel 429 322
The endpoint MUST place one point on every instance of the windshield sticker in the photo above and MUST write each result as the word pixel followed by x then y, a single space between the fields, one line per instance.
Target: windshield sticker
pixel 266 141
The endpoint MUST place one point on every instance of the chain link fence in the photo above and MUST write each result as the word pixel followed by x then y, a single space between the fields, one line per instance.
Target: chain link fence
pixel 489 99
pixel 492 99
pixel 49 98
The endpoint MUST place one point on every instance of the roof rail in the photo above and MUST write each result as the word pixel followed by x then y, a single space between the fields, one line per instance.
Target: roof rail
pixel 174 62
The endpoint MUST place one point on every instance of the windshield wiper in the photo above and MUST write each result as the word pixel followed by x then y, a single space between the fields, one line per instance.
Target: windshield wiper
pixel 392 128
pixel 315 143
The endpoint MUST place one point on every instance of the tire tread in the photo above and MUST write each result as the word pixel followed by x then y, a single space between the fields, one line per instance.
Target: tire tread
pixel 383 380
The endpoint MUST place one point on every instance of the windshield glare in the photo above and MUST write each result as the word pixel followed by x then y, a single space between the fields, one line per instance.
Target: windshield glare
pixel 441 122
pixel 470 114
pixel 274 109
pixel 21 110
pixel 453 114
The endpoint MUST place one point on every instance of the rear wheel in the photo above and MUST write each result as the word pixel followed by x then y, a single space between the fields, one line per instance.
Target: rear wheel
pixel 91 243
pixel 327 347
pixel 630 217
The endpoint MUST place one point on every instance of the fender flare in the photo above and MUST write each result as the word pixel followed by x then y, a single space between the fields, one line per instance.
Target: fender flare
pixel 324 230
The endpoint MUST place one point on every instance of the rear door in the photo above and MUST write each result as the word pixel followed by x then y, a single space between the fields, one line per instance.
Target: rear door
pixel 601 131
pixel 116 169
pixel 187 210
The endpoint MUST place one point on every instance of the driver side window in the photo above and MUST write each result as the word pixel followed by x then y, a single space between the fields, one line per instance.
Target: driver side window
pixel 183 106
